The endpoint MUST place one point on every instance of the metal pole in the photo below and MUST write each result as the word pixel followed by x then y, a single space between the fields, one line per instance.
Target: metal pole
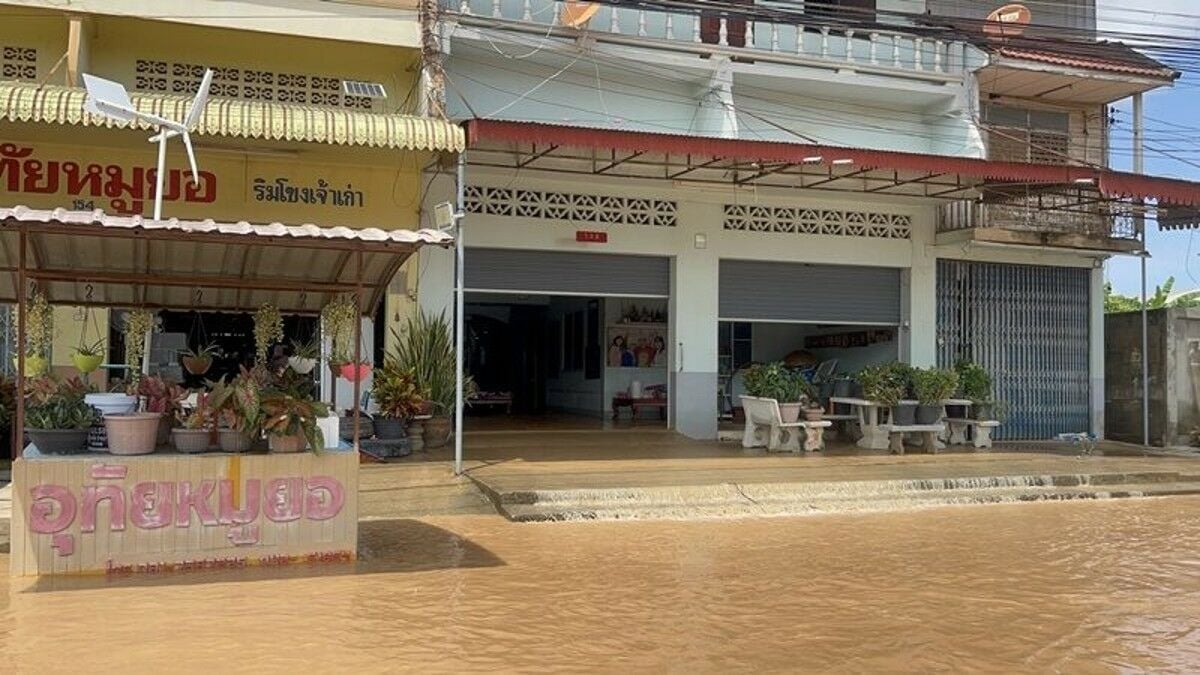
pixel 158 178
pixel 1139 166
pixel 1145 362
pixel 459 328
pixel 358 306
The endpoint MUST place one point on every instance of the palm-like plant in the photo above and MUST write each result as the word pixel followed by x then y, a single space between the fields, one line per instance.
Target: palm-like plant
pixel 426 350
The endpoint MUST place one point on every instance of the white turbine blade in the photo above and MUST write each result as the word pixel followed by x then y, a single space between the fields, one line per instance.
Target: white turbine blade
pixel 200 100
pixel 187 143
pixel 107 98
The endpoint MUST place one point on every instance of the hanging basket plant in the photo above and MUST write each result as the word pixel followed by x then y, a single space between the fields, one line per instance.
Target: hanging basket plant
pixel 354 372
pixel 268 329
pixel 138 323
pixel 88 356
pixel 337 325
pixel 39 335
pixel 198 361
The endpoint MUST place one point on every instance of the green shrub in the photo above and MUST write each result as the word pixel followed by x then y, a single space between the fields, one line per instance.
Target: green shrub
pixel 933 385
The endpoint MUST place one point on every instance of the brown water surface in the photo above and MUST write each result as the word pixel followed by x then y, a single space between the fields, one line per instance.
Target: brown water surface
pixel 1079 587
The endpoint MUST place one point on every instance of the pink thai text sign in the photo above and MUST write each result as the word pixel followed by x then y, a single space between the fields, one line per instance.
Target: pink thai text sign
pixel 117 515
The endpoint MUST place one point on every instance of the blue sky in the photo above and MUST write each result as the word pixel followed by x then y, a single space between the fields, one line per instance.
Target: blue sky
pixel 1177 253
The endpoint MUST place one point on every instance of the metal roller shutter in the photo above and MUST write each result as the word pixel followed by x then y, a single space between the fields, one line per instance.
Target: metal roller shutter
pixel 772 291
pixel 1028 325
pixel 566 272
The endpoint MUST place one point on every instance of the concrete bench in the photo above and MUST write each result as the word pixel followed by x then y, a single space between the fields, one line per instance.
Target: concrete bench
pixel 766 428
pixel 980 431
pixel 928 433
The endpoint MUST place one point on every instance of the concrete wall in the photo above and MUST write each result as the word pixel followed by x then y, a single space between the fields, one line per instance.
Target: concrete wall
pixel 1174 351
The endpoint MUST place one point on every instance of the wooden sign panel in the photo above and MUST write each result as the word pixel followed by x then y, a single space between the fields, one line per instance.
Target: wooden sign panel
pixel 163 513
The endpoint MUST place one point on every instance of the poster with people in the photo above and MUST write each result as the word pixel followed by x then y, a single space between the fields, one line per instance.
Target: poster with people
pixel 637 347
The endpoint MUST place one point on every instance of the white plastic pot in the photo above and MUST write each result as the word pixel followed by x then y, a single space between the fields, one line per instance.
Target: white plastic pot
pixel 112 404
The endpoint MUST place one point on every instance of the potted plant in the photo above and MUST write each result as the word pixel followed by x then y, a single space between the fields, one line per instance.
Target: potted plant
pixel 810 399
pixel 975 385
pixel 164 398
pixel 198 427
pixel 304 356
pixel 291 422
pixel 904 411
pixel 199 361
pixel 425 349
pixel 88 357
pixel 880 384
pixel 237 405
pixel 395 392
pixel 775 381
pixel 932 386
pixel 56 416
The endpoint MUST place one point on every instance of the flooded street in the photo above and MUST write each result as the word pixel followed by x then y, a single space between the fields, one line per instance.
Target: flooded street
pixel 1076 587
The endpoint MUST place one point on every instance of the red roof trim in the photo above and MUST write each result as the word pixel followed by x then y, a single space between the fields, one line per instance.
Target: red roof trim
pixel 1088 62
pixel 1110 183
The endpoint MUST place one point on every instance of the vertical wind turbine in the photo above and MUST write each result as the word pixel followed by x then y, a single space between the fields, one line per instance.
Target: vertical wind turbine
pixel 110 99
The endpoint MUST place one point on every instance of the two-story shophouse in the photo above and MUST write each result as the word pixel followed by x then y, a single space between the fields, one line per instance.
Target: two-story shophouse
pixel 315 117
pixel 658 194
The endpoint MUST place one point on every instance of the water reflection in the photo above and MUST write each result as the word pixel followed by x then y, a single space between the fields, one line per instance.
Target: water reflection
pixel 1079 586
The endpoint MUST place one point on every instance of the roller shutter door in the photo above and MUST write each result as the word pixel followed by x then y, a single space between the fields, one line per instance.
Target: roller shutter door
pixel 566 272
pixel 772 291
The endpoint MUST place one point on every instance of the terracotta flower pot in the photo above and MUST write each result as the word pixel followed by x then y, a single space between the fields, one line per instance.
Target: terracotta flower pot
pixel 437 431
pixel 191 440
pixel 86 363
pixel 197 365
pixel 355 372
pixel 813 414
pixel 293 443
pixel 302 365
pixel 132 434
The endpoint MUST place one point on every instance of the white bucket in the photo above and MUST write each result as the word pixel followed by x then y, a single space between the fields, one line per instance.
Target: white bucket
pixel 635 389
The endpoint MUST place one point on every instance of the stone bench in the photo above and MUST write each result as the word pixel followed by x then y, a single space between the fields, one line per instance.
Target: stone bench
pixel 766 428
pixel 928 433
pixel 980 431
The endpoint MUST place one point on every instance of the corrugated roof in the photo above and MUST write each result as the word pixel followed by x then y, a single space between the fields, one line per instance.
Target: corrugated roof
pixel 80 257
pixel 52 104
pixel 1124 62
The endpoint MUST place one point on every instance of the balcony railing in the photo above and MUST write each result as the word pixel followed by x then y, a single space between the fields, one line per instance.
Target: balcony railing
pixel 831 46
pixel 1045 215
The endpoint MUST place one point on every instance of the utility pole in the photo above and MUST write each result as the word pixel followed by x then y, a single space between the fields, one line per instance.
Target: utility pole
pixel 433 74
pixel 1139 167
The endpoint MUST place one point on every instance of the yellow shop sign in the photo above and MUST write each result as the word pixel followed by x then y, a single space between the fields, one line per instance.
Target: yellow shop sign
pixel 230 186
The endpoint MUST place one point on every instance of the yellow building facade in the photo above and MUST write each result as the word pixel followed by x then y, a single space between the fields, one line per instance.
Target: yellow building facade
pixel 280 140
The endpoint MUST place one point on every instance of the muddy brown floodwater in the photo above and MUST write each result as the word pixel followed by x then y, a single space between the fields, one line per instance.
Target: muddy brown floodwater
pixel 1076 587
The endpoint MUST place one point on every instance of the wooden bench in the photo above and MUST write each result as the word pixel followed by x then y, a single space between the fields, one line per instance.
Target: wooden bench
pixel 766 428
pixel 980 431
pixel 928 433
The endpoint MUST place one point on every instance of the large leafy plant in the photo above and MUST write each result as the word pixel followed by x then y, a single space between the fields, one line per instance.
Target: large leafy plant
pixel 53 403
pixel 883 384
pixel 425 349
pixel 162 395
pixel 974 381
pixel 395 391
pixel 775 380
pixel 238 402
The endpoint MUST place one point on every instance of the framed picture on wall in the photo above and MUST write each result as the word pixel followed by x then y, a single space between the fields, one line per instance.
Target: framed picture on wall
pixel 636 346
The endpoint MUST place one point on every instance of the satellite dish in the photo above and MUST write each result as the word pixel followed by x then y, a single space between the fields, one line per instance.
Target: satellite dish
pixel 110 99
pixel 577 14
pixel 1008 21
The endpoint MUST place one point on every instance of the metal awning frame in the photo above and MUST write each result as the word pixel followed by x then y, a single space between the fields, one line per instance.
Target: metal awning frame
pixel 28 269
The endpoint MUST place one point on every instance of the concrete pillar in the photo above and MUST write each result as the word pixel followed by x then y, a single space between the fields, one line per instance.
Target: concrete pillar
pixel 1096 349
pixel 693 308
pixel 919 347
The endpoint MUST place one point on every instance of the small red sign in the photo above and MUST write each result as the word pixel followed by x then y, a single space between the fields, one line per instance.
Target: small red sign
pixel 591 236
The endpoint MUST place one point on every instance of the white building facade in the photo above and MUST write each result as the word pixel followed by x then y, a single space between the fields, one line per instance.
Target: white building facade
pixel 855 258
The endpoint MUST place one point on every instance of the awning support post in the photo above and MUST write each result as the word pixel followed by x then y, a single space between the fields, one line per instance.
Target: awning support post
pixel 358 319
pixel 19 427
pixel 459 328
